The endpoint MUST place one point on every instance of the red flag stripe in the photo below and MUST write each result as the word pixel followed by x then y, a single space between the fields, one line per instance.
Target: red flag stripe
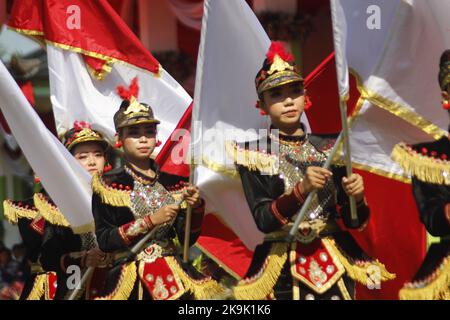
pixel 80 26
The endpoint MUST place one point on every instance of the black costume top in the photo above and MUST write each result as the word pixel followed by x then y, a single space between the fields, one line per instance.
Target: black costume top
pixel 31 226
pixel 320 263
pixel 62 249
pixel 430 170
pixel 122 202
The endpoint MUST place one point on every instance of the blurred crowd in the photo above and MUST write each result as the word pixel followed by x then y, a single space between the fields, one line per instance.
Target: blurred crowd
pixel 13 271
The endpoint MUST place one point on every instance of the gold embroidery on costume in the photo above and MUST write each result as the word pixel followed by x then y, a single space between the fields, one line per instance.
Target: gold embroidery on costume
pixel 49 211
pixel 13 212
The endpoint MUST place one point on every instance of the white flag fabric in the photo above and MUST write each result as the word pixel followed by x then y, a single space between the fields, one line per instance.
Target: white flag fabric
pixel 66 181
pixel 76 96
pixel 393 48
pixel 339 32
pixel 232 49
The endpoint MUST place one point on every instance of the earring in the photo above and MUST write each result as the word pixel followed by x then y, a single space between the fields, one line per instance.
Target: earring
pixel 308 103
pixel 158 143
pixel 107 168
pixel 261 110
pixel 118 145
pixel 446 104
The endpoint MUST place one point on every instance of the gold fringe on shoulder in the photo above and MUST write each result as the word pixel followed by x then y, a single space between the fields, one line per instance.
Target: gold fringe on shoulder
pixel 205 289
pixel 49 212
pixel 364 272
pixel 261 286
pixel 38 290
pixel 425 168
pixel 125 285
pixel 13 213
pixel 436 289
pixel 110 196
pixel 251 159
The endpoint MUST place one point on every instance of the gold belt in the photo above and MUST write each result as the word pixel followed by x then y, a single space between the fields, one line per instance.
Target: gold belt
pixel 308 231
pixel 152 251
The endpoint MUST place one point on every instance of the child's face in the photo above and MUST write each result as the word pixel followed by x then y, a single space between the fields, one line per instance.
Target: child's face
pixel 91 156
pixel 139 141
pixel 284 105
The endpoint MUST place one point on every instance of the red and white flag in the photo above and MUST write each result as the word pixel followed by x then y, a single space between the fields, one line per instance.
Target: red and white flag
pixel 393 49
pixel 232 49
pixel 90 52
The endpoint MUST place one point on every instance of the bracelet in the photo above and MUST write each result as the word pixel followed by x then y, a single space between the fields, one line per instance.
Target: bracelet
pixel 298 192
pixel 148 222
pixel 447 212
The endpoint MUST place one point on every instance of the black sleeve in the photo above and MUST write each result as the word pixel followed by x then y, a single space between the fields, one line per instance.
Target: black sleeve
pixel 108 220
pixel 58 241
pixel 431 200
pixel 363 211
pixel 260 191
pixel 31 239
pixel 180 225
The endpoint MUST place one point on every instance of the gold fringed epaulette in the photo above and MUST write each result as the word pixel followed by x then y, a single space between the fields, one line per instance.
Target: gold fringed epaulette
pixel 205 289
pixel 38 290
pixel 436 287
pixel 252 159
pixel 261 286
pixel 49 212
pixel 364 272
pixel 424 168
pixel 125 285
pixel 109 195
pixel 13 212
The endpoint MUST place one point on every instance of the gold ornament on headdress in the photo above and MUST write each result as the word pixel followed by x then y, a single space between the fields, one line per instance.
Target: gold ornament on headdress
pixel 87 133
pixel 84 135
pixel 279 65
pixel 135 107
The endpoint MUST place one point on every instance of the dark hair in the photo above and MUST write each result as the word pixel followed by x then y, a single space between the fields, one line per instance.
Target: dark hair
pixel 5 250
pixel 444 69
pixel 18 246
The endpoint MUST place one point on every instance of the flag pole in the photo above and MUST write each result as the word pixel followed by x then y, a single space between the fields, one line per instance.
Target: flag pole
pixel 343 88
pixel 302 213
pixel 343 137
pixel 187 230
pixel 194 118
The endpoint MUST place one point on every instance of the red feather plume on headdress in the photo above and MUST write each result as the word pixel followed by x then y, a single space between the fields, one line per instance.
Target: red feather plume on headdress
pixel 277 48
pixel 80 125
pixel 132 91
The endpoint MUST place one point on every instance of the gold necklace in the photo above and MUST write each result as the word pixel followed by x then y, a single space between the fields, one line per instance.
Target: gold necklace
pixel 288 143
pixel 140 179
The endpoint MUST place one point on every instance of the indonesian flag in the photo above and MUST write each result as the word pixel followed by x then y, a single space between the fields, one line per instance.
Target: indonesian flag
pixel 393 49
pixel 232 49
pixel 90 52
